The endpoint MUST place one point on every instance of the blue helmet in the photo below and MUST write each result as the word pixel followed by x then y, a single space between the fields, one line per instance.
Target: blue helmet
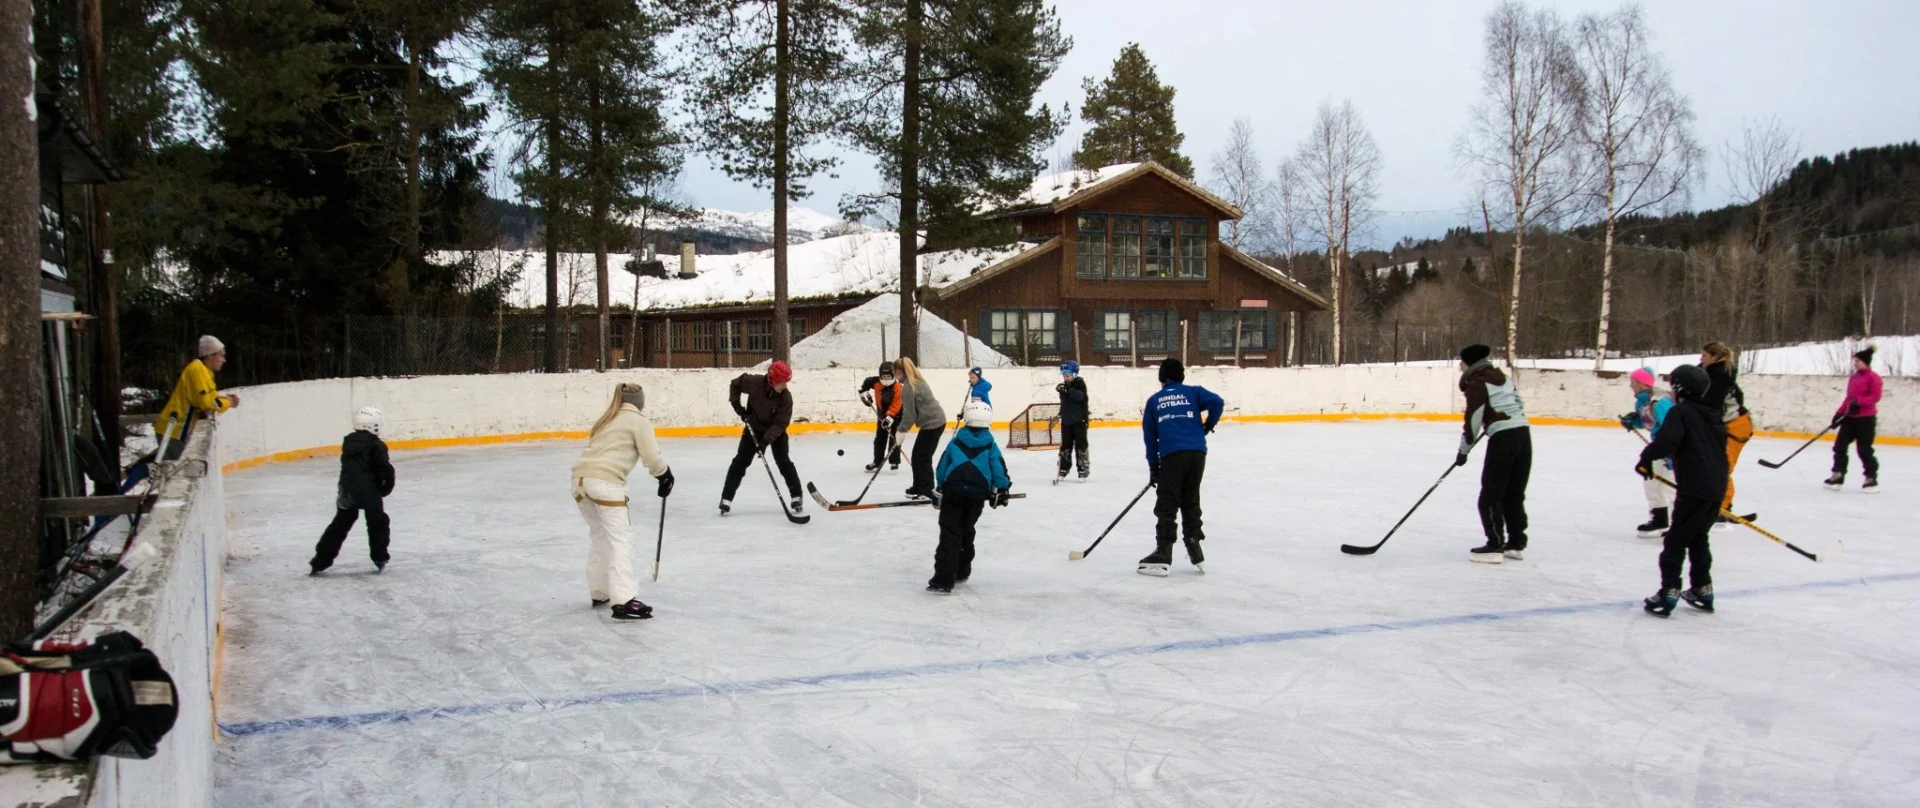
pixel 1070 367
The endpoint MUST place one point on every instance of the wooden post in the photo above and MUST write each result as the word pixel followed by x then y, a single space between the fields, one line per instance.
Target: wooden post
pixel 1076 343
pixel 1133 339
pixel 729 327
pixel 1238 319
pixel 669 342
pixel 1293 338
pixel 883 345
pixel 966 345
pixel 1183 342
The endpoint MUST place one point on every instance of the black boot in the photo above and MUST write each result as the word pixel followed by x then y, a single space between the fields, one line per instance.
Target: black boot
pixel 1158 563
pixel 1490 553
pixel 1194 555
pixel 1662 602
pixel 1655 525
pixel 632 610
pixel 1699 597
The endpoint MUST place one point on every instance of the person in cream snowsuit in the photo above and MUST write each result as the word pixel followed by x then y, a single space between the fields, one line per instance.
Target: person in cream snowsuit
pixel 621 438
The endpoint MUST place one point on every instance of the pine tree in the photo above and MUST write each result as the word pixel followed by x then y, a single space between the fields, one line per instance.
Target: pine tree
pixel 770 83
pixel 1131 114
pixel 952 117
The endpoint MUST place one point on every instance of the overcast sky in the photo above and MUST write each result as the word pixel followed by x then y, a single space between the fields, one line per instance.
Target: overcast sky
pixel 1841 73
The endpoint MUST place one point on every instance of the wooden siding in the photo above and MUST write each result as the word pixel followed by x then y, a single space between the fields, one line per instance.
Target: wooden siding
pixel 653 336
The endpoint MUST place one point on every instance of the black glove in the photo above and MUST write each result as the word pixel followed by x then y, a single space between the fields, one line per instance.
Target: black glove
pixel 1153 474
pixel 1645 471
pixel 1838 419
pixel 666 483
pixel 866 398
pixel 999 498
pixel 1460 459
pixel 1061 388
pixel 886 422
pixel 1208 428
pixel 739 410
pixel 1853 409
pixel 1630 421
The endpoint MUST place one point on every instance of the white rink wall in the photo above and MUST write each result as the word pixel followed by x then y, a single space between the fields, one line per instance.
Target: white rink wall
pixel 312 417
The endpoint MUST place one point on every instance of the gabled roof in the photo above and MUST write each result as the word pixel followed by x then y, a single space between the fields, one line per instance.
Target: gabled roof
pixel 1275 275
pixel 1007 265
pixel 1054 193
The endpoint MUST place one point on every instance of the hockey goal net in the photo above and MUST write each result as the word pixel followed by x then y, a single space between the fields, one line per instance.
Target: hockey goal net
pixel 1036 427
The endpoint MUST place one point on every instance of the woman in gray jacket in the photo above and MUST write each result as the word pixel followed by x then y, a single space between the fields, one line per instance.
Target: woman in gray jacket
pixel 921 409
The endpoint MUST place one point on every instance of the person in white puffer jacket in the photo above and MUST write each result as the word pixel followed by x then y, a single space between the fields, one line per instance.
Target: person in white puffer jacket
pixel 621 438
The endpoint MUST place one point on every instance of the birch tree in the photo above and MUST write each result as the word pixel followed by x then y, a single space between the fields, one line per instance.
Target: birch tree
pixel 1523 137
pixel 1340 173
pixel 1289 209
pixel 1637 134
pixel 1237 174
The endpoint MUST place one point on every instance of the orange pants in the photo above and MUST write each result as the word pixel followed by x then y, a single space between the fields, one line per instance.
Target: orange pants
pixel 1739 431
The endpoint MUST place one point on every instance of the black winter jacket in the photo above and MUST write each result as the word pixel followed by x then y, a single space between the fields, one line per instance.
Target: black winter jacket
pixel 1073 401
pixel 1723 392
pixel 365 473
pixel 768 410
pixel 1695 438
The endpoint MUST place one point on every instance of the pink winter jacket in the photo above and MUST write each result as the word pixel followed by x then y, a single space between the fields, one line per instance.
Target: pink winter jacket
pixel 1863 390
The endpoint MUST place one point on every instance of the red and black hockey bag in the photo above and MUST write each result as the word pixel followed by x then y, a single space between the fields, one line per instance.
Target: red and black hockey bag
pixel 72 701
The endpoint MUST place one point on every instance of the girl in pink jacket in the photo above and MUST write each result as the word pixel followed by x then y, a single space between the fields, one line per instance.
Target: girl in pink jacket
pixel 1856 419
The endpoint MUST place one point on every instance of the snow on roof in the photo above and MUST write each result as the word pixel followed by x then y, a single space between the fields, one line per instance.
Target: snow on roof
pixel 866 334
pixel 857 264
pixel 1052 188
pixel 803 224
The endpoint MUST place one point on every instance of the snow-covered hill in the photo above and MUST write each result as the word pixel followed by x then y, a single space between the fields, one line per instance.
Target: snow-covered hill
pixel 803 225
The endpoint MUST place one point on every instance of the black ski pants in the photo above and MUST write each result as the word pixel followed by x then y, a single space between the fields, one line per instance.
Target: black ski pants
pixel 882 441
pixel 1073 439
pixel 1503 488
pixel 743 457
pixel 1177 492
pixel 953 559
pixel 924 446
pixel 1693 518
pixel 379 533
pixel 1859 432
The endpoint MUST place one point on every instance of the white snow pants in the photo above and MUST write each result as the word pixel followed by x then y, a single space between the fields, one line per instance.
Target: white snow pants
pixel 1659 495
pixel 610 557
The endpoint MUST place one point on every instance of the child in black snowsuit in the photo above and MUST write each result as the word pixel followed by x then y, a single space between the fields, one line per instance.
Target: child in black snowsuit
pixel 366 478
pixel 1696 438
pixel 972 475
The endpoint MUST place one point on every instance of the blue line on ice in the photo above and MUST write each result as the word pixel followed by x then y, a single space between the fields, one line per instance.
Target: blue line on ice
pixel 246 728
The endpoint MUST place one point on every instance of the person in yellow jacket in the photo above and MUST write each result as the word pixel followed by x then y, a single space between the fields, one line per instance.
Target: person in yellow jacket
pixel 622 437
pixel 194 397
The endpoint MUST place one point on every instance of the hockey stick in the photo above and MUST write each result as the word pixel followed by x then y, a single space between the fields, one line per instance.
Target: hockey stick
pixel 1796 453
pixel 135 557
pixel 660 540
pixel 1736 519
pixel 778 495
pixel 1076 555
pixel 1749 518
pixel 1354 549
pixel 892 446
pixel 907 503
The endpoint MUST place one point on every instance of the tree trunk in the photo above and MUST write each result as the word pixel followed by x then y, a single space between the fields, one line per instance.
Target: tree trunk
pixel 105 276
pixel 1513 301
pixel 1606 294
pixel 551 345
pixel 910 184
pixel 19 328
pixel 1333 262
pixel 411 117
pixel 782 110
pixel 602 302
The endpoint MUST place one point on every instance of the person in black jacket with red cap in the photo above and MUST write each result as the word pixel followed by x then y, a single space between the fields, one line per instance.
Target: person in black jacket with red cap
pixel 767 412
pixel 1696 438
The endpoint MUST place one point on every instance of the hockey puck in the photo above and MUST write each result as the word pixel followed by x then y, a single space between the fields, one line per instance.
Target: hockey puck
pixel 840 452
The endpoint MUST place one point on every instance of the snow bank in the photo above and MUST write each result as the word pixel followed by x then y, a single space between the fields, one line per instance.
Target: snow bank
pixel 855 264
pixel 803 224
pixel 1894 356
pixel 855 339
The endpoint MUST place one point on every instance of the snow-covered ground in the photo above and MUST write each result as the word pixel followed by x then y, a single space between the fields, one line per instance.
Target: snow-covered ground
pixel 860 263
pixel 804 665
pixel 1893 356
pixel 854 339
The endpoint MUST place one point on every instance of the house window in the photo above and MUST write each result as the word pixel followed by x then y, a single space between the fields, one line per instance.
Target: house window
pixel 1091 254
pixel 1003 328
pixel 1255 327
pixel 1113 331
pixel 1193 248
pixel 796 327
pixel 1216 330
pixel 1159 247
pixel 1256 330
pixel 1158 330
pixel 1043 330
pixel 1126 247
pixel 693 336
pixel 760 336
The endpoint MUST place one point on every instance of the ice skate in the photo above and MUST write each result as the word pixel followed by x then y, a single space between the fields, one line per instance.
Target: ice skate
pixel 1195 556
pixel 1699 597
pixel 873 467
pixel 1656 525
pixel 1835 482
pixel 796 504
pixel 936 589
pixel 1514 553
pixel 1662 602
pixel 1084 474
pixel 1488 553
pixel 726 507
pixel 379 567
pixel 632 610
pixel 316 569
pixel 1159 563
pixel 1871 486
pixel 599 602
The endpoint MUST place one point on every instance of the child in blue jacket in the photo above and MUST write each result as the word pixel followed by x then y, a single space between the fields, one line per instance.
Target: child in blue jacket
pixel 1650 406
pixel 972 475
pixel 1176 434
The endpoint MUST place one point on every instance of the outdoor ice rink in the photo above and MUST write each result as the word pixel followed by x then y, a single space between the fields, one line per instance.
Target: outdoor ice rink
pixel 805 665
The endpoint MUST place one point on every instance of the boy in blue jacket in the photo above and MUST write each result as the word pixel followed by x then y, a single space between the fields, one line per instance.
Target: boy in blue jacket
pixel 972 475
pixel 1650 406
pixel 1176 438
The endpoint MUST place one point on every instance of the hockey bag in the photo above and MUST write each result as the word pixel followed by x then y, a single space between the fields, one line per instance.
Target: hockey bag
pixel 73 701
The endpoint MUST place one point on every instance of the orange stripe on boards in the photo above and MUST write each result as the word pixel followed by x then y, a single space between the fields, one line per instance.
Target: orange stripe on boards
pixel 812 427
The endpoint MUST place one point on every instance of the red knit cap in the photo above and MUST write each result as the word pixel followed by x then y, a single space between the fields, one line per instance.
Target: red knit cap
pixel 780 372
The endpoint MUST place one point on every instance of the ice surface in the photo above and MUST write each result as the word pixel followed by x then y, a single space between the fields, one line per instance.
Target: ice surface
pixel 854 338
pixel 805 665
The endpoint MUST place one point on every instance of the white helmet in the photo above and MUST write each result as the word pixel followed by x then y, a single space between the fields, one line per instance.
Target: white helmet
pixel 977 413
pixel 368 418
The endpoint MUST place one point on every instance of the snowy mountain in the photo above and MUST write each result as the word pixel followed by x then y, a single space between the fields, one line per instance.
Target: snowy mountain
pixel 803 225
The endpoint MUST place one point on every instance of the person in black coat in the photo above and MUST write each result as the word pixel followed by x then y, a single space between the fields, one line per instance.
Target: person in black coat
pixel 1073 419
pixel 1695 437
pixel 366 478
